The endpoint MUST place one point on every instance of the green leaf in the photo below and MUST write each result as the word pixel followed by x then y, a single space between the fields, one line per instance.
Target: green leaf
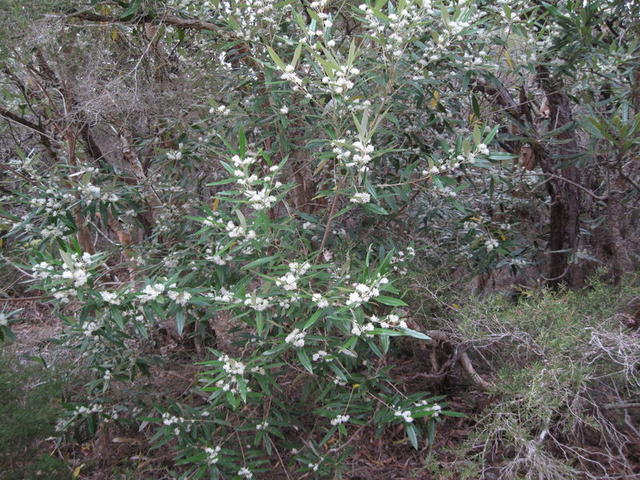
pixel 431 431
pixel 274 56
pixel 133 8
pixel 415 334
pixel 375 209
pixel 412 434
pixel 258 262
pixel 391 301
pixel 6 334
pixel 477 135
pixel 221 182
pixel 304 360
pixel 296 55
pixel 180 321
pixel 313 319
pixel 475 105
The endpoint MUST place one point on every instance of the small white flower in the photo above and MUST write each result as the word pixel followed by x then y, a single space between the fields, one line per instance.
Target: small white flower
pixel 245 472
pixel 319 300
pixel 212 454
pixel 491 243
pixel 284 110
pixel 319 355
pixel 483 149
pixel 296 338
pixel 340 419
pixel 110 297
pixel 360 198
pixel 181 298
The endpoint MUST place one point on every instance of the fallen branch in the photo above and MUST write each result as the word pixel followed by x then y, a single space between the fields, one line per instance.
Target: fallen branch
pixel 439 336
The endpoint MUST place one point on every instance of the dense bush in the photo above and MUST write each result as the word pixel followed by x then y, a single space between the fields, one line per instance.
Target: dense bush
pixel 246 175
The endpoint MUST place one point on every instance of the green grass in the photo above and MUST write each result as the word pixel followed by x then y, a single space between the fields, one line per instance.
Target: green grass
pixel 29 407
pixel 557 360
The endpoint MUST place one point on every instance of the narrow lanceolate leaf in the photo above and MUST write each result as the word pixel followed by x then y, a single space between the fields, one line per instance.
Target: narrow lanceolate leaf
pixel 391 301
pixel 412 434
pixel 276 58
pixel 415 334
pixel 305 360
pixel 258 262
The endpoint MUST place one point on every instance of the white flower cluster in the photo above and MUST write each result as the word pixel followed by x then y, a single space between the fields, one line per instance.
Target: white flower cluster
pixel 400 27
pixel 51 231
pixel 296 338
pixel 217 258
pixel 246 473
pixel 360 198
pixel 252 18
pixel 44 270
pixel 77 270
pixel 170 420
pixel 74 271
pixel 491 243
pixel 260 199
pixel 457 26
pixel 89 327
pixel 290 76
pixel 91 192
pixel 340 419
pixel 361 156
pixel 400 259
pixel 240 162
pixel 339 82
pixel 180 297
pixel 359 330
pixel 319 300
pixel 259 304
pixel 239 231
pixel 225 296
pixel 363 293
pixel 235 369
pixel 93 408
pixel 319 355
pixel 63 423
pixel 110 297
pixel 221 109
pixel 53 203
pixel 151 292
pixel 262 426
pixel 174 155
pixel 433 409
pixel 390 321
pixel 289 281
pixel 405 414
pixel 212 454
pixel 355 155
pixel 482 149
pixel 232 366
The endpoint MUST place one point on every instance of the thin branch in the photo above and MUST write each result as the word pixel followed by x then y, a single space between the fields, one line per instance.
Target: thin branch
pixel 187 23
pixel 571 182
pixel 24 122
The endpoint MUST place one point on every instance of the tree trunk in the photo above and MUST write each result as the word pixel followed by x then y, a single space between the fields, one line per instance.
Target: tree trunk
pixel 565 197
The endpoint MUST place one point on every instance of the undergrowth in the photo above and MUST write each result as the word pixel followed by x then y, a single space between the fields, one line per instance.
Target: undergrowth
pixel 29 407
pixel 565 375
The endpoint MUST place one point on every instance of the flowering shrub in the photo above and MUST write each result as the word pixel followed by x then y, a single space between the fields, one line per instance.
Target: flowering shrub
pixel 298 134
